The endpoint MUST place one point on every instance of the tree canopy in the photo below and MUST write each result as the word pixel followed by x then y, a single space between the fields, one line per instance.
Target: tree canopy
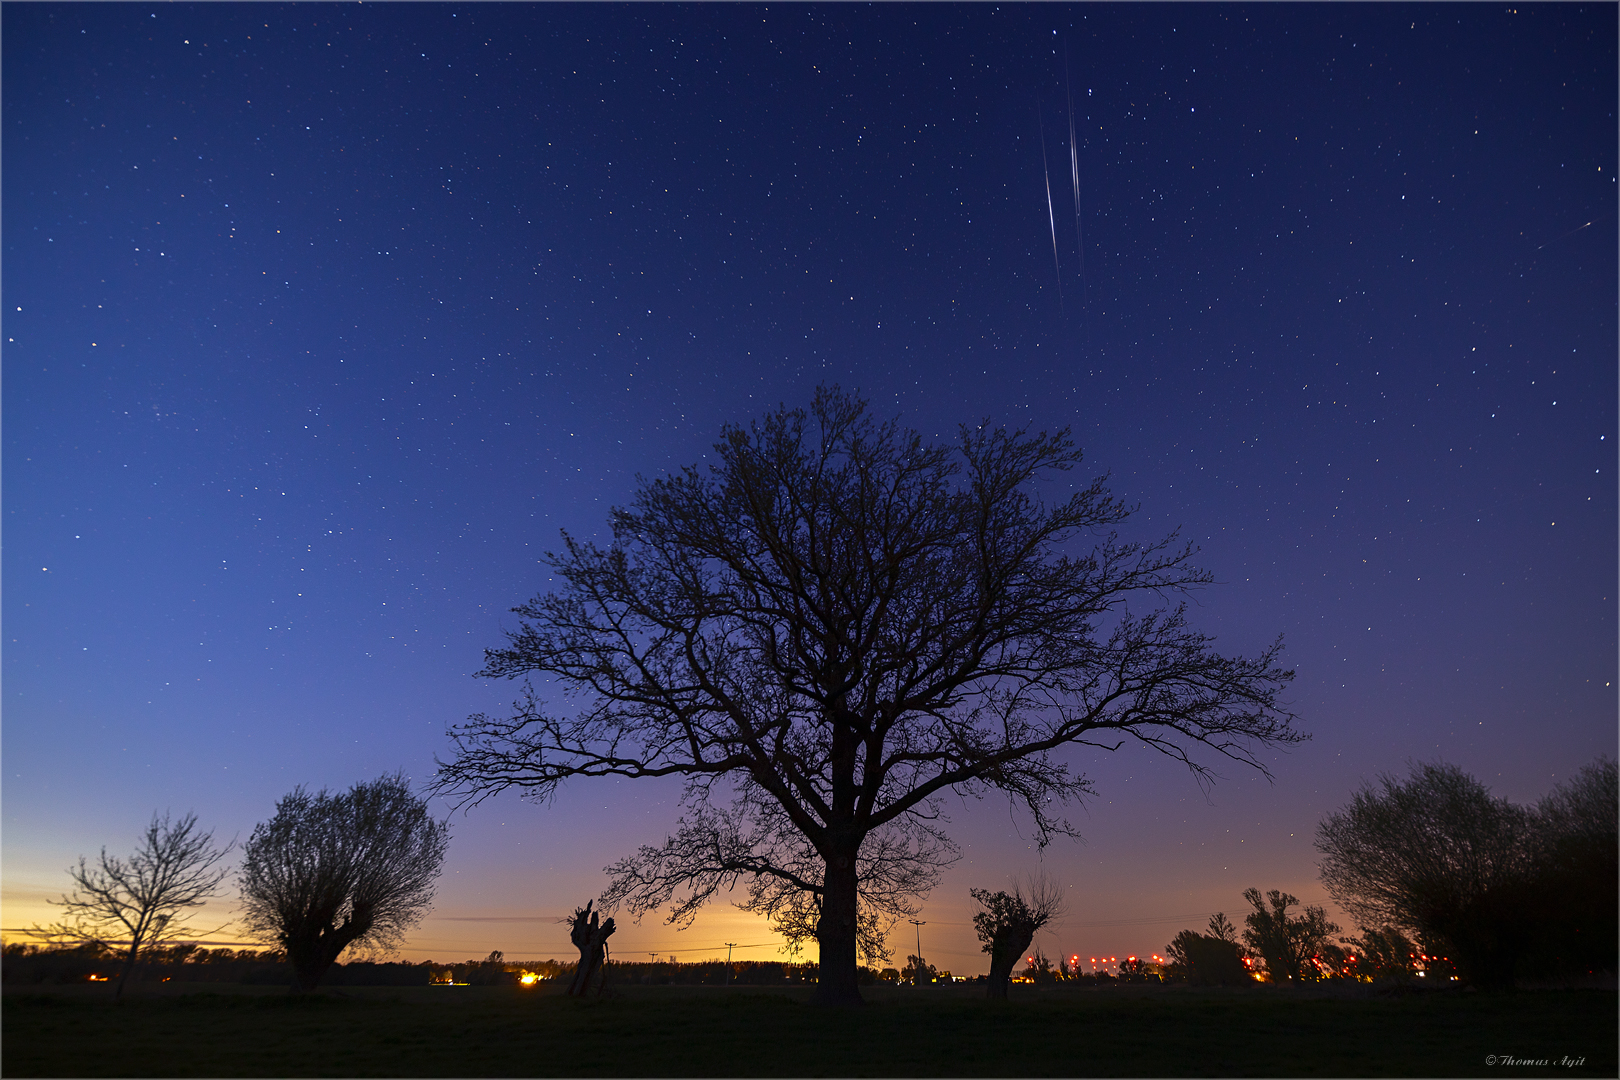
pixel 328 871
pixel 1577 873
pixel 835 625
pixel 1501 888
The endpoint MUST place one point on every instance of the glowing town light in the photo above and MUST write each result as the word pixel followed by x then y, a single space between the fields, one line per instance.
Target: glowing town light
pixel 528 978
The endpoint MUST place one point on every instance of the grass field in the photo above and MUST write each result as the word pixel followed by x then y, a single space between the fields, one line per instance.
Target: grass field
pixel 712 1031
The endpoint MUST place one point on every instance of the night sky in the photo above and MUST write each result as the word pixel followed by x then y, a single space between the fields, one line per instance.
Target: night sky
pixel 321 322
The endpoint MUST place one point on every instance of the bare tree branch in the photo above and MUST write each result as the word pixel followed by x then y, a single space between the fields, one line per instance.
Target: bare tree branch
pixel 141 901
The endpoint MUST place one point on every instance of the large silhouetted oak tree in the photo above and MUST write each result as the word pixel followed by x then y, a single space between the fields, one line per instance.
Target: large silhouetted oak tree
pixel 835 625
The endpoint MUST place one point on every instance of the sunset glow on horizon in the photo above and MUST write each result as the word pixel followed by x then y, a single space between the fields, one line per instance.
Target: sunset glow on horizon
pixel 322 323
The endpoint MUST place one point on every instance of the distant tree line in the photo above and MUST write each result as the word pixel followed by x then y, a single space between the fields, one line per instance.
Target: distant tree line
pixel 31 964
pixel 713 973
pixel 34 964
pixel 1449 883
pixel 1503 892
pixel 1040 970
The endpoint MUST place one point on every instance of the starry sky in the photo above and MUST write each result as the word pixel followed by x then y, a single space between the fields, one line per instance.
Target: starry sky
pixel 320 322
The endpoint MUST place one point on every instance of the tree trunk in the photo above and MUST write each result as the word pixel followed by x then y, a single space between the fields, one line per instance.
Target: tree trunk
pixel 124 972
pixel 313 952
pixel 837 976
pixel 1484 956
pixel 312 958
pixel 590 938
pixel 1005 950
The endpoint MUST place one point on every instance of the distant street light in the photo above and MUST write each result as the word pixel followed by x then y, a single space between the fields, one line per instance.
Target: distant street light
pixel 916 978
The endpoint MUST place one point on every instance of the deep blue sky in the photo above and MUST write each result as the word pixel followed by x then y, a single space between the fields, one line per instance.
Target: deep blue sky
pixel 320 322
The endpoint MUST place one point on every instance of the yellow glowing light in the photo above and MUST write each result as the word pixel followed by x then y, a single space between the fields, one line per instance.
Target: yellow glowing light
pixel 529 978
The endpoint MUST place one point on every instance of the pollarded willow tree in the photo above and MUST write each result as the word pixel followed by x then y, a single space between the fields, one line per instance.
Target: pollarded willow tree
pixel 334 870
pixel 1006 923
pixel 833 627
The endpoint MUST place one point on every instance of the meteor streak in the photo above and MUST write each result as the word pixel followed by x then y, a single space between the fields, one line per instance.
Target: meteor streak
pixel 1555 240
pixel 1074 174
pixel 1051 216
pixel 1074 160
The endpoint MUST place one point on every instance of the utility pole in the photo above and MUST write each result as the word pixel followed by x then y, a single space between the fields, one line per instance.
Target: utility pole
pixel 916 974
pixel 729 946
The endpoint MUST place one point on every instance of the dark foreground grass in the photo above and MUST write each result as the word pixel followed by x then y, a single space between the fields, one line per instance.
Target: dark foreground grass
pixel 674 1031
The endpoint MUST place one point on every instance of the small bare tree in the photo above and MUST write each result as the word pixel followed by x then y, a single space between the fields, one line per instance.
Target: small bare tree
pixel 1008 924
pixel 141 901
pixel 330 871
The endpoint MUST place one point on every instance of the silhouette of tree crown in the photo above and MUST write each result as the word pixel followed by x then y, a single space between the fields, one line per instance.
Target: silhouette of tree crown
pixel 833 626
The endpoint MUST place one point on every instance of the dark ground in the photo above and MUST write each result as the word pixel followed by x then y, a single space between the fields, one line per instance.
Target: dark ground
pixel 227 1030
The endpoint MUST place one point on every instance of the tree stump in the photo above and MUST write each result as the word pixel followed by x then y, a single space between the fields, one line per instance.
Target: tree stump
pixel 590 938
